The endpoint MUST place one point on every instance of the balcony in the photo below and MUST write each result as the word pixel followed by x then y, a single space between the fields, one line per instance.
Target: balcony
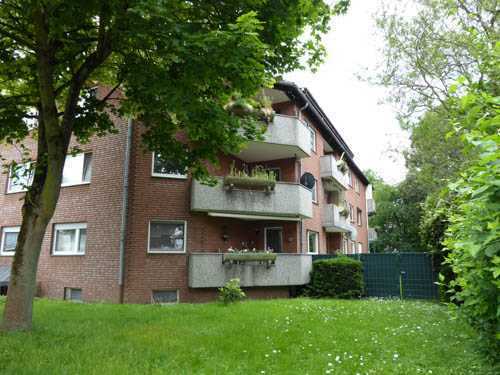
pixel 370 206
pixel 207 270
pixel 333 178
pixel 288 201
pixel 333 221
pixel 286 137
pixel 372 235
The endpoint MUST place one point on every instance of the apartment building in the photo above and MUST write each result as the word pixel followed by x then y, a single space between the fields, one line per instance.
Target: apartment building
pixel 131 227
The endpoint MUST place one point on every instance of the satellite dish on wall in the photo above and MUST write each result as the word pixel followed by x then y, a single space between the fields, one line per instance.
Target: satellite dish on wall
pixel 307 180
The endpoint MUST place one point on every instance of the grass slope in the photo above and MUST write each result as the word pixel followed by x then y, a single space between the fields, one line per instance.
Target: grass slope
pixel 298 336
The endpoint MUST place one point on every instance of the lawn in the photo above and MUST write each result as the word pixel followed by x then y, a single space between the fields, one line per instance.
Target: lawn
pixel 298 336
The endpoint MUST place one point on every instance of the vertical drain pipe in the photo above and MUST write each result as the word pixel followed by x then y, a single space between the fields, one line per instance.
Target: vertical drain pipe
pixel 124 216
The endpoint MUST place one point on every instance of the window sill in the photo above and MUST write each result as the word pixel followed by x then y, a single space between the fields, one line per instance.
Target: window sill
pixel 75 184
pixel 67 255
pixel 172 176
pixel 166 252
pixel 6 255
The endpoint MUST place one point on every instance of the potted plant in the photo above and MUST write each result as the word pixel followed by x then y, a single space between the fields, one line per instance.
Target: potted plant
pixel 235 256
pixel 257 179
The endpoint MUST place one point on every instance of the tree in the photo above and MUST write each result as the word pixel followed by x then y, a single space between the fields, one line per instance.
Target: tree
pixel 177 66
pixel 429 45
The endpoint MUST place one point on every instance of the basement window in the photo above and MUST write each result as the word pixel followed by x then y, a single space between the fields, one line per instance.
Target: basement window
pixel 73 294
pixel 163 297
pixel 9 240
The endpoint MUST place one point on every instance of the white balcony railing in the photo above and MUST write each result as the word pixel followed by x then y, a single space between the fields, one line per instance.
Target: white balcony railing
pixel 333 221
pixel 287 201
pixel 206 270
pixel 286 137
pixel 333 178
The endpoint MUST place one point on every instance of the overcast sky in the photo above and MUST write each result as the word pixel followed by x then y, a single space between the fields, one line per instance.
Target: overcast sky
pixel 355 107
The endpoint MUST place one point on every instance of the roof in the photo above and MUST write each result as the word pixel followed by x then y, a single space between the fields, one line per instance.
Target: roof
pixel 4 275
pixel 309 105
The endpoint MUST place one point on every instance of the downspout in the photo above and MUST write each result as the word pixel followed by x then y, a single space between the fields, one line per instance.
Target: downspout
pixel 304 107
pixel 124 216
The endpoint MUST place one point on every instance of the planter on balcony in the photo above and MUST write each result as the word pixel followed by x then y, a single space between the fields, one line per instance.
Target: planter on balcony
pixel 268 259
pixel 248 183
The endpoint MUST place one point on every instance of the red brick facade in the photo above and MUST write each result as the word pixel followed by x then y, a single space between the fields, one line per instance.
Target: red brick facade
pixel 99 204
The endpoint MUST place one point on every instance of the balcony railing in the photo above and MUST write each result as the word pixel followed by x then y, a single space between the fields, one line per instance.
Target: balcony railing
pixel 333 221
pixel 288 201
pixel 207 270
pixel 286 137
pixel 333 178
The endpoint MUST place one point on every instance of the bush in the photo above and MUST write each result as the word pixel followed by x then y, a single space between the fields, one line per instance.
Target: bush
pixel 340 277
pixel 231 292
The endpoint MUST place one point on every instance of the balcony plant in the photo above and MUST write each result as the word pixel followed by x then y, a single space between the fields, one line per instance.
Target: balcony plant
pixel 344 210
pixel 257 179
pixel 235 256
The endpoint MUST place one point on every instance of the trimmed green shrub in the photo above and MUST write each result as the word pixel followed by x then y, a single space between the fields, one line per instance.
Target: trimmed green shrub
pixel 340 277
pixel 231 292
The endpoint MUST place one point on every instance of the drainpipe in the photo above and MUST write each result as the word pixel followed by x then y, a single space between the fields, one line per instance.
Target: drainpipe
pixel 124 216
pixel 301 224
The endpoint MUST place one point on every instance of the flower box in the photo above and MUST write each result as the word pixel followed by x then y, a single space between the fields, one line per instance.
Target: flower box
pixel 242 257
pixel 249 183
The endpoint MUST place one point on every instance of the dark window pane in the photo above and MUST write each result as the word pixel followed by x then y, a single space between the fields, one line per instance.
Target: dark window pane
pixel 165 296
pixel 166 237
pixel 167 167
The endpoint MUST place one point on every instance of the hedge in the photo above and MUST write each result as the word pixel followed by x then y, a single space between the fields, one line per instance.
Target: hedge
pixel 340 277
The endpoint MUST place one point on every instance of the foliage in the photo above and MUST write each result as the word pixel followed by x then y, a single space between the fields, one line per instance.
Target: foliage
pixel 231 292
pixel 397 216
pixel 284 336
pixel 340 277
pixel 249 256
pixel 430 44
pixel 257 178
pixel 473 237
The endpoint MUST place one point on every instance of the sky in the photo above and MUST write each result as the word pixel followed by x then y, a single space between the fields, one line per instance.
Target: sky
pixel 355 107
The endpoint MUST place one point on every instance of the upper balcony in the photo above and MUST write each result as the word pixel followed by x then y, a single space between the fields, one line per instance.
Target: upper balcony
pixel 333 221
pixel 286 137
pixel 333 178
pixel 288 201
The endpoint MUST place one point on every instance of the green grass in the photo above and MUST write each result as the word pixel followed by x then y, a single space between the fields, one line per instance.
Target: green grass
pixel 298 336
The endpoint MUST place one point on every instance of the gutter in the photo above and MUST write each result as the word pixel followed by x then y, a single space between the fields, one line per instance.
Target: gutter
pixel 124 215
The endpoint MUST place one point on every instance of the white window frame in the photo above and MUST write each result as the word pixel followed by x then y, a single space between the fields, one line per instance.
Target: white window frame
pixel 356 185
pixel 353 247
pixel 308 233
pixel 13 229
pixel 10 179
pixel 165 175
pixel 349 177
pixel 81 182
pixel 167 222
pixel 351 213
pixel 70 226
pixel 312 133
pixel 265 237
pixel 360 248
pixel 315 191
pixel 359 216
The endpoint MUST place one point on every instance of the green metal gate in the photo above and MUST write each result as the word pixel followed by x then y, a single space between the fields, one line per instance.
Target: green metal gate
pixel 404 275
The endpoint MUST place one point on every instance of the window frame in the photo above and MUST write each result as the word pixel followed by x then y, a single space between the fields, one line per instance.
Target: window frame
pixel 351 213
pixel 70 290
pixel 281 237
pixel 184 222
pixel 82 175
pixel 308 233
pixel 69 226
pixel 176 176
pixel 10 229
pixel 315 192
pixel 274 169
pixel 359 216
pixel 312 133
pixel 10 179
pixel 356 185
pixel 349 177
pixel 353 247
pixel 359 248
pixel 164 290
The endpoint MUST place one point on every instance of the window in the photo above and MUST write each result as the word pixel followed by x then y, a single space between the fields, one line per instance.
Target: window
pixel 167 237
pixel 360 248
pixel 9 240
pixel 353 247
pixel 77 169
pixel 273 239
pixel 351 213
pixel 359 217
pixel 345 244
pixel 312 242
pixel 313 137
pixel 70 239
pixel 356 184
pixel 276 172
pixel 165 296
pixel 166 168
pixel 349 177
pixel 20 178
pixel 314 191
pixel 73 294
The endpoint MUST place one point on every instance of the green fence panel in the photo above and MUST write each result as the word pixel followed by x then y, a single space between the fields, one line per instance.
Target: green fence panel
pixel 406 275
